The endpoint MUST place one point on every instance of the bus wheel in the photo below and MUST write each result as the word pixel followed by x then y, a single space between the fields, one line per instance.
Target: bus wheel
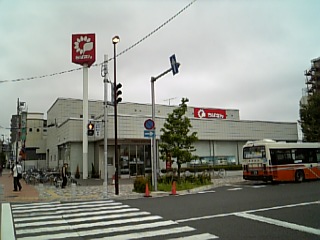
pixel 299 176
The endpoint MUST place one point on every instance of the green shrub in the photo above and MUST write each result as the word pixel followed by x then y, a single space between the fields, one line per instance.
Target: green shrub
pixel 139 184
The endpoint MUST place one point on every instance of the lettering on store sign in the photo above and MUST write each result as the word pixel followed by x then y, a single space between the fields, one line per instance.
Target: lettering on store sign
pixel 210 113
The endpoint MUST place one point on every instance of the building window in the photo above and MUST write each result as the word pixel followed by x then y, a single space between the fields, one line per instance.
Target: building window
pixel 38 130
pixel 30 129
pixel 81 116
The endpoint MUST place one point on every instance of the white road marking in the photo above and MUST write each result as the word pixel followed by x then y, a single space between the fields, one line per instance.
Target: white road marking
pixel 7 230
pixel 202 192
pixel 202 236
pixel 235 189
pixel 258 186
pixel 148 234
pixel 280 223
pixel 81 219
pixel 249 211
pixel 86 225
pixel 36 218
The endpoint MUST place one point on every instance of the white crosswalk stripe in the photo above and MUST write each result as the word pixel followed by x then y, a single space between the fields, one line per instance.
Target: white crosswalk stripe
pixel 95 220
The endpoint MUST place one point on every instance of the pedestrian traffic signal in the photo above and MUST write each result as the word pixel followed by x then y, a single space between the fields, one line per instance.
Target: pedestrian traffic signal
pixel 90 129
pixel 118 91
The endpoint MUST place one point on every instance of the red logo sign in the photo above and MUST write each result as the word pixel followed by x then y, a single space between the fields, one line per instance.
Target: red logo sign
pixel 83 49
pixel 209 113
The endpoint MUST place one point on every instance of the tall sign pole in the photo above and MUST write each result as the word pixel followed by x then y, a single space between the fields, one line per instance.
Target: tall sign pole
pixel 175 69
pixel 85 122
pixel 83 53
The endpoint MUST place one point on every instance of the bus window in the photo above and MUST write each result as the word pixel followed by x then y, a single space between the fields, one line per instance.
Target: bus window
pixel 254 152
pixel 318 155
pixel 299 156
pixel 281 156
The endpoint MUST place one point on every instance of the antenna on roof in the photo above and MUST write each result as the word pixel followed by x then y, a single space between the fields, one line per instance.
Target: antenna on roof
pixel 169 99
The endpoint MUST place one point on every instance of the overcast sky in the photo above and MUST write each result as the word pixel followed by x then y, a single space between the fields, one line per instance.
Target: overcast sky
pixel 235 54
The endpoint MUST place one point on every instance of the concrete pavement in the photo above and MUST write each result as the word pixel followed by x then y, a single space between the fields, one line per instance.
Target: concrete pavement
pixel 89 189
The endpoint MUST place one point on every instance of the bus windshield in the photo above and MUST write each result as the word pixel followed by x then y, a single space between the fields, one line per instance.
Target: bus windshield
pixel 254 152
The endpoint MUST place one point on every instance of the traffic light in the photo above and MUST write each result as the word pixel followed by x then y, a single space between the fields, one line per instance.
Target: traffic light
pixel 90 129
pixel 118 92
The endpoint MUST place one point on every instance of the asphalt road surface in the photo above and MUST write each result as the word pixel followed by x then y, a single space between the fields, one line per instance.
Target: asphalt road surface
pixel 245 211
pixel 240 211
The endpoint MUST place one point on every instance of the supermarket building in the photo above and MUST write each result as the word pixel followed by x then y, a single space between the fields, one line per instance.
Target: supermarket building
pixel 221 135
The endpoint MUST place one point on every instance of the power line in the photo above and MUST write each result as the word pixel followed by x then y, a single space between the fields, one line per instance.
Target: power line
pixel 110 59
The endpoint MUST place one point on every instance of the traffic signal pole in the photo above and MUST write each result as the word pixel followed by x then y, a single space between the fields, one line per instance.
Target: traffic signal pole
pixel 154 156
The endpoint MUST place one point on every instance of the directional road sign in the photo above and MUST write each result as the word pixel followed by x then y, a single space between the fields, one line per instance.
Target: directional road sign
pixel 149 133
pixel 174 64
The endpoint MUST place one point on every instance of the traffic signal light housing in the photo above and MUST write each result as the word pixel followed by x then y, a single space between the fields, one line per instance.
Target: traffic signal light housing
pixel 118 93
pixel 90 129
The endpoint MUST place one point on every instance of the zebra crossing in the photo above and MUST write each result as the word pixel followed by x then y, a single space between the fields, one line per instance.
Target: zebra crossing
pixel 104 219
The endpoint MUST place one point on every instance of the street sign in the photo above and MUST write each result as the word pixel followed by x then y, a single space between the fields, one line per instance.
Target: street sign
pixel 149 124
pixel 149 133
pixel 174 64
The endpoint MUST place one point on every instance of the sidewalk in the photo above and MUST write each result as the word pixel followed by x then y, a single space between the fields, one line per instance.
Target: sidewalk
pixel 28 193
pixel 89 189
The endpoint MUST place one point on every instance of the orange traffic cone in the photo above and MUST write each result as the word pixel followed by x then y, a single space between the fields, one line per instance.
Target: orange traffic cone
pixel 173 189
pixel 147 193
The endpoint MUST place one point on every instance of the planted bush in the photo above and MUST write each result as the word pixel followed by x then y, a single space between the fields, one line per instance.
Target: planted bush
pixel 139 184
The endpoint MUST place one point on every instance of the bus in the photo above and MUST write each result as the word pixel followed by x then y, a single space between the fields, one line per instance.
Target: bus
pixel 268 160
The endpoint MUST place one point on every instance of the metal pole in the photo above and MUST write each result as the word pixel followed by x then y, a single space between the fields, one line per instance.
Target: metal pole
pixel 154 155
pixel 17 130
pixel 115 122
pixel 105 81
pixel 153 145
pixel 85 122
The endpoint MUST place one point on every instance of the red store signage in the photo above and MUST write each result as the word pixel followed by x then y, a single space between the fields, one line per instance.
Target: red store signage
pixel 83 49
pixel 209 113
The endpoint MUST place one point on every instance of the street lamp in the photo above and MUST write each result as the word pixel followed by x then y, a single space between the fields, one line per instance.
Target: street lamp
pixel 115 40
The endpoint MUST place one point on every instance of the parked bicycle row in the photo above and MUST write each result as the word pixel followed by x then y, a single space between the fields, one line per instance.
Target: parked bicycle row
pixel 49 176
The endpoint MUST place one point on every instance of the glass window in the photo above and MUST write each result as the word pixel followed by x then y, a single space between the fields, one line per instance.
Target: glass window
pixel 281 156
pixel 254 152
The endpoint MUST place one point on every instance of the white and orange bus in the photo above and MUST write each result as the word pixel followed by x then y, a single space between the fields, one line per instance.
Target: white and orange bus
pixel 268 160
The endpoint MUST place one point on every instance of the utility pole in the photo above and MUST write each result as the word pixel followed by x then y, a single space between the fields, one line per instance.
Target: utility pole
pixel 104 74
pixel 18 129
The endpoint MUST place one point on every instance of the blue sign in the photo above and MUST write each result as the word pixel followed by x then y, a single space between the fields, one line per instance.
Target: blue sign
pixel 174 64
pixel 149 133
pixel 149 124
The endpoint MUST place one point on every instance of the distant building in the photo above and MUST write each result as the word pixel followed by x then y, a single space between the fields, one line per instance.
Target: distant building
pixel 313 77
pixel 31 140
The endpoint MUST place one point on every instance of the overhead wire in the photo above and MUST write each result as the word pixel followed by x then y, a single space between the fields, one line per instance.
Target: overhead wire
pixel 110 59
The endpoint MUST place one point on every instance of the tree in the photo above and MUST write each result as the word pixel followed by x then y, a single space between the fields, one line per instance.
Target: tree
pixel 175 139
pixel 310 119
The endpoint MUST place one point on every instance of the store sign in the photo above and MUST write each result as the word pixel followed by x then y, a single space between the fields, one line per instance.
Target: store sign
pixel 83 49
pixel 209 113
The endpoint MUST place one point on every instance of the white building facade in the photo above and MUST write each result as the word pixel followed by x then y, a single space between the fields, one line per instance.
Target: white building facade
pixel 221 135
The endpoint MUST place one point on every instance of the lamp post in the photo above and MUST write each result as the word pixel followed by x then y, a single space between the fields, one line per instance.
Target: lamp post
pixel 115 40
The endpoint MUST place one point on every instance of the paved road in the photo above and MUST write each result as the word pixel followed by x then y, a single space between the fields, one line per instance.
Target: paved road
pixel 246 211
pixel 236 211
pixel 104 219
pixel 52 200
